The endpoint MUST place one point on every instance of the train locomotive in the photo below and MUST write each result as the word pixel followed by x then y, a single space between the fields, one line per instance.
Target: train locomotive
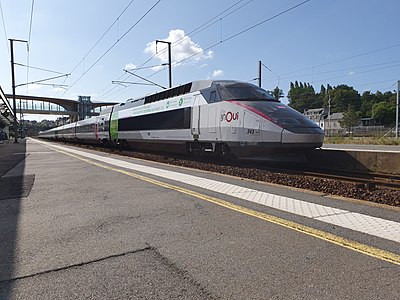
pixel 224 117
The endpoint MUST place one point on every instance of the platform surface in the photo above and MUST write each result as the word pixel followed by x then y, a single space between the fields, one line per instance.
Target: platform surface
pixel 85 224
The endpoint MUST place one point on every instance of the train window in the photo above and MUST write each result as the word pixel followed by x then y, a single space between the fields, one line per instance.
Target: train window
pixel 243 91
pixel 174 119
pixel 213 96
pixel 280 114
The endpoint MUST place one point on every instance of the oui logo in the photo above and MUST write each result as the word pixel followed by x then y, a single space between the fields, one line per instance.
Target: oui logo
pixel 230 116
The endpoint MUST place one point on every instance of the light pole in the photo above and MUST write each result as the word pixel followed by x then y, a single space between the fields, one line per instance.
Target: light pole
pixel 397 109
pixel 329 114
pixel 13 87
pixel 169 60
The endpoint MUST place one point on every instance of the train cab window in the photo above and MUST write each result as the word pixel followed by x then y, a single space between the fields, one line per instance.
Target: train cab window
pixel 213 96
pixel 243 91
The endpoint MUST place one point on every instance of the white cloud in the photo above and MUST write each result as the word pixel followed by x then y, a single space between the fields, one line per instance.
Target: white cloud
pixel 217 73
pixel 184 48
pixel 130 66
pixel 352 73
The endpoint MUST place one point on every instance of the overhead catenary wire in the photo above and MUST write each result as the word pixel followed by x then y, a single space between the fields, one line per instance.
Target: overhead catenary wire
pixel 30 23
pixel 102 36
pixel 113 45
pixel 200 28
pixel 37 81
pixel 345 58
pixel 243 31
pixel 4 27
pixel 99 40
pixel 29 43
pixel 234 35
pixel 36 68
pixel 359 73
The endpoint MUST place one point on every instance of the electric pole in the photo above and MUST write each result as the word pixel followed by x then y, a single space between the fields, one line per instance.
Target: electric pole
pixel 259 73
pixel 397 109
pixel 169 60
pixel 13 92
pixel 13 87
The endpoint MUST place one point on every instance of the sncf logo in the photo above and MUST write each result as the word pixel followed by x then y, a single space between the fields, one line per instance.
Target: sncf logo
pixel 230 116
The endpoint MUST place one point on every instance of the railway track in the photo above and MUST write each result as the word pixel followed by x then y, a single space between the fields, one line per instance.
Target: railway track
pixel 368 180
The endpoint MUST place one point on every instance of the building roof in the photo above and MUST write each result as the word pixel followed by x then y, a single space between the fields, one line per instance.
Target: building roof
pixel 335 116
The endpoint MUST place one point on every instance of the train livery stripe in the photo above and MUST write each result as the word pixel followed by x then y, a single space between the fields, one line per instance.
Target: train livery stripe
pixel 114 126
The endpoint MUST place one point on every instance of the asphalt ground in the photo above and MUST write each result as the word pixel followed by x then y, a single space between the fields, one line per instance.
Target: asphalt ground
pixel 80 229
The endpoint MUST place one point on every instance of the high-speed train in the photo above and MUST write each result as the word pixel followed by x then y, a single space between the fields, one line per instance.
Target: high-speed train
pixel 220 116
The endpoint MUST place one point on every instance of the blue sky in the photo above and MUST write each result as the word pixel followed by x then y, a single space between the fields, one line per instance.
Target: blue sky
pixel 350 42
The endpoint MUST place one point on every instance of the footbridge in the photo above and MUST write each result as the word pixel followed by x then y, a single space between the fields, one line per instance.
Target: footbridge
pixel 77 109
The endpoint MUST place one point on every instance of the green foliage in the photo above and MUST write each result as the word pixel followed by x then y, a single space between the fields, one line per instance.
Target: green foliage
pixel 351 118
pixel 302 96
pixel 385 113
pixel 380 106
pixel 342 96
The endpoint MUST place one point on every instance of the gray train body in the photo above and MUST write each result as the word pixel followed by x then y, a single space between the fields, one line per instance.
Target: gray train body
pixel 201 116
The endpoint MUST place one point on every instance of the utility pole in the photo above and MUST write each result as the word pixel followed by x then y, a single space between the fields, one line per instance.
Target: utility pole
pixel 259 73
pixel 329 114
pixel 169 60
pixel 397 109
pixel 13 87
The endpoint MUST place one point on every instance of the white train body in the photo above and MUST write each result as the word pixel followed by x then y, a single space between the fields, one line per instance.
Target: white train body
pixel 202 116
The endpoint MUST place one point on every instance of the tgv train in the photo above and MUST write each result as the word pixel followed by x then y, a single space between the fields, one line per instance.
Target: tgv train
pixel 224 117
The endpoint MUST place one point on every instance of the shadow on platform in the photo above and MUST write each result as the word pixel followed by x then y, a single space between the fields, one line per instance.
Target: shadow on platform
pixel 14 186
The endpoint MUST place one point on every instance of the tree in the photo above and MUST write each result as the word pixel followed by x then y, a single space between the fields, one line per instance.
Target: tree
pixel 302 96
pixel 384 113
pixel 367 101
pixel 342 96
pixel 351 118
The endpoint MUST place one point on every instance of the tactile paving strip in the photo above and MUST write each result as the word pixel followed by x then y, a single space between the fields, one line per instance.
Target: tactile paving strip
pixel 355 221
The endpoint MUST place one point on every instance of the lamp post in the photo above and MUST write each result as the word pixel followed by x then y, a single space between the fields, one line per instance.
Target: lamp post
pixel 397 109
pixel 169 60
pixel 13 87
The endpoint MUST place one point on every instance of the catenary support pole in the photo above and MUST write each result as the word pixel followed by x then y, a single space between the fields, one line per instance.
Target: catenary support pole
pixel 13 87
pixel 397 109
pixel 169 60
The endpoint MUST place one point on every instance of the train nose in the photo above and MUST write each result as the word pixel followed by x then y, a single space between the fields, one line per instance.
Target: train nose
pixel 307 140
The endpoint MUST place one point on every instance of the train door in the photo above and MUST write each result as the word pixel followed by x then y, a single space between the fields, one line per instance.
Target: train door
pixel 195 124
pixel 251 125
pixel 212 119
pixel 212 113
pixel 96 128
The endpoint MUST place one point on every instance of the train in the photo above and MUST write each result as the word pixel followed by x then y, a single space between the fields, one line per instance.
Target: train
pixel 222 117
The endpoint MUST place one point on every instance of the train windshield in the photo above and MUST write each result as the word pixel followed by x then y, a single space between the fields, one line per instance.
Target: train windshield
pixel 243 91
pixel 282 115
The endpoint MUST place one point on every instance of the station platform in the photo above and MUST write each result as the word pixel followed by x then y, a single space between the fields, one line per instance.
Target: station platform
pixel 85 224
pixel 363 158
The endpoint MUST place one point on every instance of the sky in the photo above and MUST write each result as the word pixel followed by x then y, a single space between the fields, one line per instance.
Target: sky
pixel 353 42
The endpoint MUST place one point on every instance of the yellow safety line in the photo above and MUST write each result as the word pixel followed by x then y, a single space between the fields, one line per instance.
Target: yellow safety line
pixel 332 238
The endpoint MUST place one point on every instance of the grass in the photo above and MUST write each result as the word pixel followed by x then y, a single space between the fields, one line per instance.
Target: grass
pixel 362 140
